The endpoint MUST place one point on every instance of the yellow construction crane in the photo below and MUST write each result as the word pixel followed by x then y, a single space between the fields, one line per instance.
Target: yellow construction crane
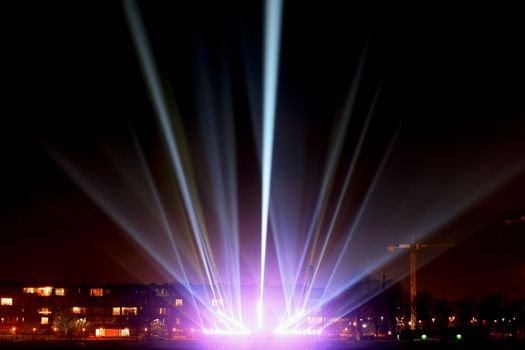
pixel 413 248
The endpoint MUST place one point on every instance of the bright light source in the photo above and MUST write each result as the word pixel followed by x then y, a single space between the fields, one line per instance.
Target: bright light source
pixel 259 311
pixel 226 332
pixel 459 336
pixel 424 337
pixel 298 332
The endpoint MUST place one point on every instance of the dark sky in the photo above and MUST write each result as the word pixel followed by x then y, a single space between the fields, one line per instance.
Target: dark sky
pixel 451 83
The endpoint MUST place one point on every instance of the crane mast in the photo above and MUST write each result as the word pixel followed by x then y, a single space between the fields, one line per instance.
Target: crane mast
pixel 414 247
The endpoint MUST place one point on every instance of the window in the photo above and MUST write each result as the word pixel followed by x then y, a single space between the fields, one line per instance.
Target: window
pixel 116 311
pixel 41 291
pixel 177 321
pixel 7 301
pixel 78 310
pixel 178 302
pixel 44 311
pixel 44 291
pixel 111 332
pixel 96 292
pixel 60 292
pixel 129 310
pixel 44 320
pixel 163 310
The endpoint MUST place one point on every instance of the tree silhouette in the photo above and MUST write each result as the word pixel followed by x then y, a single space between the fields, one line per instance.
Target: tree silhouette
pixel 70 324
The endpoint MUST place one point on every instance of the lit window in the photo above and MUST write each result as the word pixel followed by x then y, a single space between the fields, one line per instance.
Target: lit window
pixel 7 301
pixel 44 320
pixel 116 311
pixel 177 321
pixel 60 292
pixel 163 311
pixel 129 310
pixel 41 291
pixel 96 292
pixel 124 332
pixel 44 311
pixel 78 310
pixel 178 302
pixel 44 291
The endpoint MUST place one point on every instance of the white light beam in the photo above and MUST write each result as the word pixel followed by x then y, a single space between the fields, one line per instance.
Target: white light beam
pixel 273 11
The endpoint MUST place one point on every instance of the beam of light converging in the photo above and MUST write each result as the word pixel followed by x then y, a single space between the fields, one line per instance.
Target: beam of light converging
pixel 331 292
pixel 330 169
pixel 272 38
pixel 230 184
pixel 453 200
pixel 342 194
pixel 107 196
pixel 215 116
pixel 364 205
pixel 455 206
pixel 204 256
pixel 165 221
pixel 150 72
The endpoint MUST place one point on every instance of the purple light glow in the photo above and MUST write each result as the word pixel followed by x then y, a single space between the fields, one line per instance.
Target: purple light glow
pixel 239 339
pixel 308 332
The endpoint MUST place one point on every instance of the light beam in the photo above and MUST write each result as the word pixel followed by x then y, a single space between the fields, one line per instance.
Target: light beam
pixel 157 96
pixel 271 68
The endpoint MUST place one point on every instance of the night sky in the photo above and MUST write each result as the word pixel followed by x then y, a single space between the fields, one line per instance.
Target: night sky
pixel 449 83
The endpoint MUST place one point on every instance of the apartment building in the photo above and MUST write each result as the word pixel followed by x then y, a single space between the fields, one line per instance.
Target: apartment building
pixel 110 310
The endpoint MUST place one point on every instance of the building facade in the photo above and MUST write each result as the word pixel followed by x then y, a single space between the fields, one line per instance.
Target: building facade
pixel 101 310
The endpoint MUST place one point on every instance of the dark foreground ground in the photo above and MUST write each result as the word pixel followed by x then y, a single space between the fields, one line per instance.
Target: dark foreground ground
pixel 264 344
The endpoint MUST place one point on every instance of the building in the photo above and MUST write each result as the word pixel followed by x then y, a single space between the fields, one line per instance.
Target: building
pixel 104 310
